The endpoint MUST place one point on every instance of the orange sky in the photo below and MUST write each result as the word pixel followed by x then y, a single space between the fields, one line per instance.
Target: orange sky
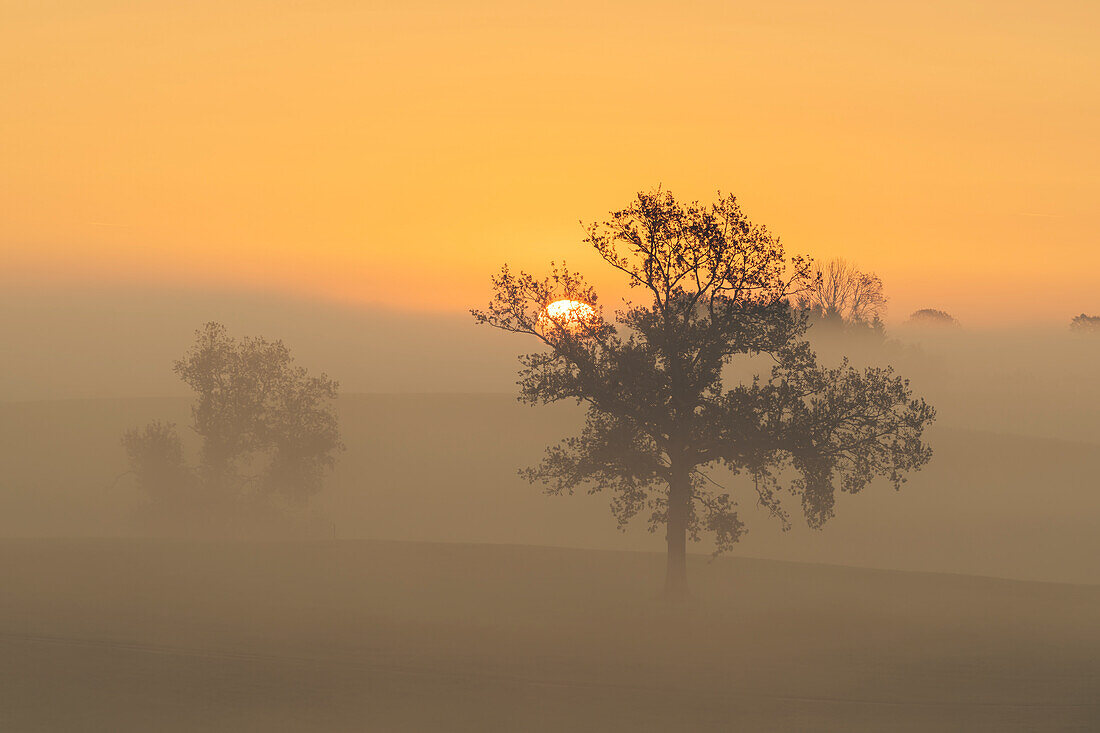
pixel 398 152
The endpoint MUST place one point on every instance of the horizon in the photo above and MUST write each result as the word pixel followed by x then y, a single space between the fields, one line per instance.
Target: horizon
pixel 122 343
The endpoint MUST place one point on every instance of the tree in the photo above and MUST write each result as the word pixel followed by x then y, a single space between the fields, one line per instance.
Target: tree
pixel 844 308
pixel 155 453
pixel 840 291
pixel 268 428
pixel 253 404
pixel 1085 324
pixel 715 288
pixel 932 318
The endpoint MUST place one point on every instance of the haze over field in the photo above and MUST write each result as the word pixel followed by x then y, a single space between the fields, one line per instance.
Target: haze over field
pixel 443 468
pixel 120 343
pixel 434 447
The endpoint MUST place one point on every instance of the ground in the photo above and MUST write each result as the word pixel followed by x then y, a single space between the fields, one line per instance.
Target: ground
pixel 129 635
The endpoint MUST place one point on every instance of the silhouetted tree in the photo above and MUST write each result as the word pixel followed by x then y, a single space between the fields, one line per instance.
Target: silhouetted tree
pixel 840 291
pixel 845 306
pixel 1085 324
pixel 933 318
pixel 715 287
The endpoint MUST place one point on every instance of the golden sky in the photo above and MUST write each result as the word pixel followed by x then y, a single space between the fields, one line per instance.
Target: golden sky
pixel 396 153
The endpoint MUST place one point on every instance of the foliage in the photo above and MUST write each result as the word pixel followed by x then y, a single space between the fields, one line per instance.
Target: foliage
pixel 252 399
pixel 715 287
pixel 155 453
pixel 1085 324
pixel 932 317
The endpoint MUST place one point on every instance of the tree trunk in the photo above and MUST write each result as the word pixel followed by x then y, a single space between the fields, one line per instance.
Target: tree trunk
pixel 679 505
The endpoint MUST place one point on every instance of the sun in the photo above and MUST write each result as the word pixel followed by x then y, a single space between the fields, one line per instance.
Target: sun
pixel 566 313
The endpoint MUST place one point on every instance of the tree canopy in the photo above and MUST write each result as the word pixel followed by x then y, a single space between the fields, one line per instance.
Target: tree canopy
pixel 252 399
pixel 1085 324
pixel 932 317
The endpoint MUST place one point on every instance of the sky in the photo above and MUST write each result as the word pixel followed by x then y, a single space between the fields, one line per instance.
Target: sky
pixel 395 154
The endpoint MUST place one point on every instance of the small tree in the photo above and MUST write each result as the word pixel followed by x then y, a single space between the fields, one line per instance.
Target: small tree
pixel 155 453
pixel 1085 324
pixel 932 318
pixel 715 288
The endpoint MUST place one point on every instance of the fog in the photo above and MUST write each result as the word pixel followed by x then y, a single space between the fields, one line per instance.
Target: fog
pixel 427 586
pixel 82 342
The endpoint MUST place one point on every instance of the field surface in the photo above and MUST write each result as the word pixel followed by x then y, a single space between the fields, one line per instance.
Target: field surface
pixel 129 635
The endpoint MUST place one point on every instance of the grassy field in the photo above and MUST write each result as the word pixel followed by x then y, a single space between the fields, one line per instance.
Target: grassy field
pixel 127 635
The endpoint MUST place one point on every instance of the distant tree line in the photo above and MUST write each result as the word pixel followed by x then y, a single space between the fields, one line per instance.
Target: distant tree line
pixel 840 300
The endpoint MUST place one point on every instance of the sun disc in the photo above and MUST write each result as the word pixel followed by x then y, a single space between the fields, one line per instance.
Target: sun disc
pixel 568 313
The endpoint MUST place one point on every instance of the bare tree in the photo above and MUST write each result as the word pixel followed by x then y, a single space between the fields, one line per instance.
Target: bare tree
pixel 715 288
pixel 839 290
